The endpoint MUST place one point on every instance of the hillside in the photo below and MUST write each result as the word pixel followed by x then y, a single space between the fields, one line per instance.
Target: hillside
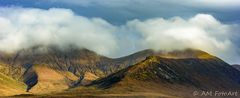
pixel 31 66
pixel 73 61
pixel 183 75
pixel 9 86
pixel 204 73
pixel 161 77
pixel 50 80
pixel 52 70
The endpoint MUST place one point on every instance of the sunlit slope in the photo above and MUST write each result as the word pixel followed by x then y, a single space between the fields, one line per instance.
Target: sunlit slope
pixel 9 86
pixel 50 80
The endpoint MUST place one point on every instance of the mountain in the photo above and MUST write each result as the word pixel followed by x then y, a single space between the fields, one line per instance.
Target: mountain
pixel 71 63
pixel 52 69
pixel 171 75
pixel 44 67
pixel 176 74
pixel 236 66
pixel 9 86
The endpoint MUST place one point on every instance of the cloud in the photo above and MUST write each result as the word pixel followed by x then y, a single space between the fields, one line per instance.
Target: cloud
pixel 28 27
pixel 202 32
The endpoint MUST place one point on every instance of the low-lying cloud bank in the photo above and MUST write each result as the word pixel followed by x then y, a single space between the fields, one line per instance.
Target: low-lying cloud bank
pixel 28 27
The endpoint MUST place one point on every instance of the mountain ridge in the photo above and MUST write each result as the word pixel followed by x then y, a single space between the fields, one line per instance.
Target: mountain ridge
pixel 158 72
pixel 75 62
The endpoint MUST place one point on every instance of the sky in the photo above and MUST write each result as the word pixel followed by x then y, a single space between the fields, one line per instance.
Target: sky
pixel 116 28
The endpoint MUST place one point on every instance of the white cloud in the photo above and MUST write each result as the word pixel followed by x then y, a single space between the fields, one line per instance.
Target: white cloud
pixel 24 28
pixel 202 32
pixel 27 27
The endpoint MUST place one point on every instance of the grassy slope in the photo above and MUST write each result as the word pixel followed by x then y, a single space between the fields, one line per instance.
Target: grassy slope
pixel 50 80
pixel 9 86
